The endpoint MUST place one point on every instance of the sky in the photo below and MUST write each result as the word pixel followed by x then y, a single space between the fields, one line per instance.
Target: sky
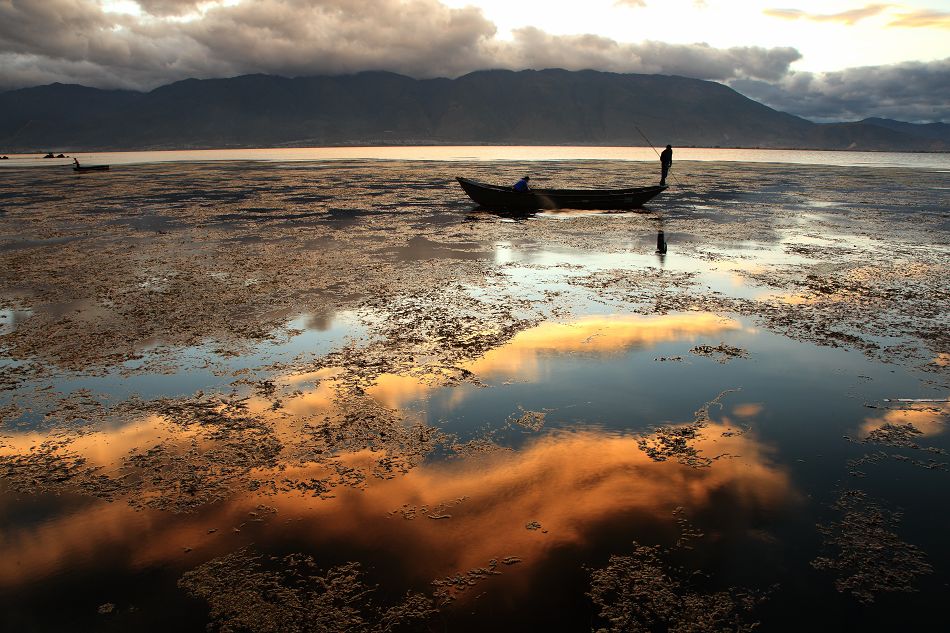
pixel 825 60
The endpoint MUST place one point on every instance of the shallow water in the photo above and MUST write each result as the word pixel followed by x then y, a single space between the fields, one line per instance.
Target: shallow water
pixel 206 363
pixel 493 153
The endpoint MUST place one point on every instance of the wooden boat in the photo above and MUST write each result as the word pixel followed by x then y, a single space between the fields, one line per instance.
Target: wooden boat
pixel 82 169
pixel 496 197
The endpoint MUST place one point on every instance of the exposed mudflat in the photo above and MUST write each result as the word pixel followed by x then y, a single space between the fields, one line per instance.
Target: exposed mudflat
pixel 335 396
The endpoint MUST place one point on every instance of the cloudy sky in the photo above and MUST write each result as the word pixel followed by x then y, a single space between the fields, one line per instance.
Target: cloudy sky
pixel 823 59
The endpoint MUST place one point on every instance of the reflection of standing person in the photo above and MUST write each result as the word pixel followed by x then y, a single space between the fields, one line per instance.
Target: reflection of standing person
pixel 666 160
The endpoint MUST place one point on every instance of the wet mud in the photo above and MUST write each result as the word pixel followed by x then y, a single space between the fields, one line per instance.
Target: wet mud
pixel 336 396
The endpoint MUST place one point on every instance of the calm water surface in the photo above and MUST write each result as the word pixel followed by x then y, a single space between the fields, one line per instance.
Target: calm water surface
pixel 940 162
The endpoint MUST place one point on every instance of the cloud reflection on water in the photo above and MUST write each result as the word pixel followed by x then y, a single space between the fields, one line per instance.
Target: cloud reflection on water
pixel 521 358
pixel 576 484
pixel 928 418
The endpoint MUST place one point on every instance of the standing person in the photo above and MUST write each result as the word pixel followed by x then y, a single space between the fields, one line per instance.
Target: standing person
pixel 666 161
pixel 522 185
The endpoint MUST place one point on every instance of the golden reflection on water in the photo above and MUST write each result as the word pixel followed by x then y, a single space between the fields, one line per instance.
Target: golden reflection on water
pixel 573 484
pixel 520 358
pixel 928 418
pixel 748 409
pixel 104 447
pixel 318 391
pixel 570 483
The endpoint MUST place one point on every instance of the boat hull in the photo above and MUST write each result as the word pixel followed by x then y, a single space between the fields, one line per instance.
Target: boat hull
pixel 91 168
pixel 495 197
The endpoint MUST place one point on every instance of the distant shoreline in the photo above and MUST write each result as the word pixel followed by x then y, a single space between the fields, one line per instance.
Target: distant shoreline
pixel 644 158
pixel 360 145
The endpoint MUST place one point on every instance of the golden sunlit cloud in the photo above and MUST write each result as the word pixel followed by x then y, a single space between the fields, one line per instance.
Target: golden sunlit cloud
pixel 925 18
pixel 922 19
pixel 850 17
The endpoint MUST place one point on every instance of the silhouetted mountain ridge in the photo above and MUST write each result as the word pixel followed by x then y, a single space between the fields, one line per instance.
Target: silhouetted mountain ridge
pixel 936 131
pixel 484 107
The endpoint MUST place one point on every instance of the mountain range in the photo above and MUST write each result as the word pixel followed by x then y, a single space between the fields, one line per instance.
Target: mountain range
pixel 547 107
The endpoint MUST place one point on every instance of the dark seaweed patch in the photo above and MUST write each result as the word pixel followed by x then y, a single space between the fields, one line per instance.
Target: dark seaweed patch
pixel 866 555
pixel 291 594
pixel 640 591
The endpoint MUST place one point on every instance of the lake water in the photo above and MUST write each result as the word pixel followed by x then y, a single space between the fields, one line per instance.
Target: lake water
pixel 929 161
pixel 267 389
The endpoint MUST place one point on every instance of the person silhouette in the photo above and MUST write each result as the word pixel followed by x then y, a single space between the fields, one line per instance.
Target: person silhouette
pixel 666 161
pixel 522 185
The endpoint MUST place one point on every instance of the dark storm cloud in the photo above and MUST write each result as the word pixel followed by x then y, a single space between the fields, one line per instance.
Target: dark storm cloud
pixel 53 27
pixel 911 91
pixel 168 7
pixel 533 48
pixel 76 40
pixel 289 37
pixel 295 37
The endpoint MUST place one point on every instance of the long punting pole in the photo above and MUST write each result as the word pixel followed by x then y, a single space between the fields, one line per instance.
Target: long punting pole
pixel 648 141
pixel 654 150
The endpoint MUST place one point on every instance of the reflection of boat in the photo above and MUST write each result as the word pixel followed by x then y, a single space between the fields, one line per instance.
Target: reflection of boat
pixel 493 196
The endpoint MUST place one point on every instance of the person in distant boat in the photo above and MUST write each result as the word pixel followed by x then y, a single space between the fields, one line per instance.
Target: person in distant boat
pixel 522 185
pixel 666 161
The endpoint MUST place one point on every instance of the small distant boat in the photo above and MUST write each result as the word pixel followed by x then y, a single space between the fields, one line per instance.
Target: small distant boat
pixel 499 197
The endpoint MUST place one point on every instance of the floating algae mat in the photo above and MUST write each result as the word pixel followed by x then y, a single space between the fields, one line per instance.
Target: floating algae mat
pixel 333 396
